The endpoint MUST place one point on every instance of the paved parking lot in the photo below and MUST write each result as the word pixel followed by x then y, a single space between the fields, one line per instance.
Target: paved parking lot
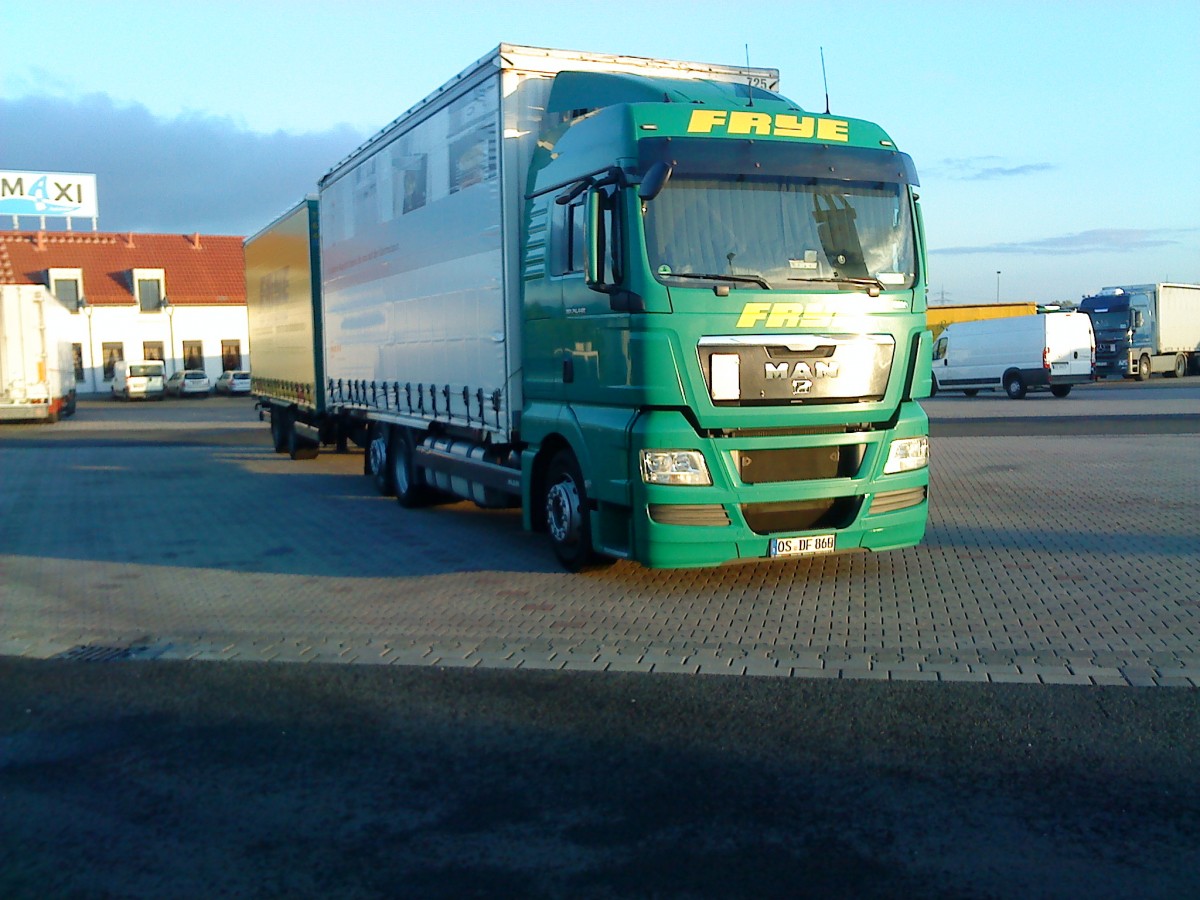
pixel 172 531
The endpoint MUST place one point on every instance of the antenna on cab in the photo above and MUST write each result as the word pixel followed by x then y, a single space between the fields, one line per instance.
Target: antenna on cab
pixel 826 80
pixel 749 80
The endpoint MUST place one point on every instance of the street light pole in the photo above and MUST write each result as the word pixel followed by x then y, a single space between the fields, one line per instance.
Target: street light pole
pixel 997 285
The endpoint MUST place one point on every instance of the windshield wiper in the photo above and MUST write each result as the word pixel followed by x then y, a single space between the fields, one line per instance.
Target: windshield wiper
pixel 747 279
pixel 861 282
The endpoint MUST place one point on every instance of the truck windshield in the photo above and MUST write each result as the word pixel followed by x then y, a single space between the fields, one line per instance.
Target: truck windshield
pixel 781 232
pixel 1107 313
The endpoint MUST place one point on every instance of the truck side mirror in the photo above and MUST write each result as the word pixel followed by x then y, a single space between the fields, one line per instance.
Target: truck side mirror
pixel 656 179
pixel 593 257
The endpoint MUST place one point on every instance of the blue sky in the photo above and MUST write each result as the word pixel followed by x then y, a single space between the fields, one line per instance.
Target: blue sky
pixel 1057 142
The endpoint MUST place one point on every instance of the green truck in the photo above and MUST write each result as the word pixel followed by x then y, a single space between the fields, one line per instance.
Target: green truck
pixel 671 315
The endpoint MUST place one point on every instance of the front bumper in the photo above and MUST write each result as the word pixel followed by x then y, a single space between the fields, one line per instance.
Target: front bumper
pixel 733 520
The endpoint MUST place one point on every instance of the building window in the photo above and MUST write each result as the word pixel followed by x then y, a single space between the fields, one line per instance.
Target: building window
pixel 150 289
pixel 77 356
pixel 67 286
pixel 193 355
pixel 152 350
pixel 113 353
pixel 231 355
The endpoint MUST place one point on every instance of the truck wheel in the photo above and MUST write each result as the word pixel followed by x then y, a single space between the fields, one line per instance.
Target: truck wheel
pixel 566 507
pixel 377 461
pixel 410 491
pixel 1180 366
pixel 1014 386
pixel 1144 369
pixel 1060 390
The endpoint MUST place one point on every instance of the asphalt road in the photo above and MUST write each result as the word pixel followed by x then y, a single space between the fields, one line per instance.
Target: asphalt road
pixel 199 779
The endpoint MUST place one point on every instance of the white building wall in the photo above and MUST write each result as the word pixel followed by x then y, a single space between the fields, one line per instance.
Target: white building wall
pixel 97 325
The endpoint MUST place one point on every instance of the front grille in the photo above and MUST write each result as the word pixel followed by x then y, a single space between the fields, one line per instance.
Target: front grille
pixel 708 514
pixel 798 463
pixel 801 515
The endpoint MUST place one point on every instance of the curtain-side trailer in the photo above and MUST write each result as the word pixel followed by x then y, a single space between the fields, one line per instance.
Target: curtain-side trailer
pixel 37 369
pixel 670 314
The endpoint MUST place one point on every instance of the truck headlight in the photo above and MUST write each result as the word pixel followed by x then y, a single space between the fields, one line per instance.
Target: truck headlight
pixel 674 467
pixel 906 455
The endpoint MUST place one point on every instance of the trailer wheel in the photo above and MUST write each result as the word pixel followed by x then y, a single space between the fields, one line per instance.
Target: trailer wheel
pixel 377 462
pixel 1014 386
pixel 1144 369
pixel 1180 366
pixel 410 491
pixel 1060 390
pixel 566 506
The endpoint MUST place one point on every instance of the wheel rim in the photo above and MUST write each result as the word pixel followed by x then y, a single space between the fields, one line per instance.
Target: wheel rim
pixel 378 455
pixel 562 511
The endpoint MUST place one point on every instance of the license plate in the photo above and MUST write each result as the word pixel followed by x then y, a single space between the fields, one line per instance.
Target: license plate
pixel 803 546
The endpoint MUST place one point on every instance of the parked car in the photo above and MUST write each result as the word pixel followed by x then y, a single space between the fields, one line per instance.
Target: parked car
pixel 138 379
pixel 188 382
pixel 232 382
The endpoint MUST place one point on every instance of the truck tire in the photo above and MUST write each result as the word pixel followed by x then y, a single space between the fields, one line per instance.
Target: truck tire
pixel 378 465
pixel 1143 369
pixel 1060 390
pixel 1014 386
pixel 410 491
pixel 1181 366
pixel 566 509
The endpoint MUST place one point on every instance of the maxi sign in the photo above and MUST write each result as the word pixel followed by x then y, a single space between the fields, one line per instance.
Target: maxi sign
pixel 48 194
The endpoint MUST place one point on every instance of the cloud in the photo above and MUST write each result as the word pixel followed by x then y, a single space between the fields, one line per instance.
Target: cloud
pixel 981 168
pixel 175 176
pixel 1099 240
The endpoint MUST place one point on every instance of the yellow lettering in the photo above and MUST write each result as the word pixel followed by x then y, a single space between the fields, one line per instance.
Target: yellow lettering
pixel 833 130
pixel 749 122
pixel 704 120
pixel 752 314
pixel 790 126
pixel 785 315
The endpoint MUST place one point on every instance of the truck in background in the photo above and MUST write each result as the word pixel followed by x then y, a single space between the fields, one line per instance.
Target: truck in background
pixel 1146 328
pixel 1050 351
pixel 37 365
pixel 665 311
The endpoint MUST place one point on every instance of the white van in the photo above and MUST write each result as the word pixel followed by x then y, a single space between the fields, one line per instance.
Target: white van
pixel 138 379
pixel 1052 350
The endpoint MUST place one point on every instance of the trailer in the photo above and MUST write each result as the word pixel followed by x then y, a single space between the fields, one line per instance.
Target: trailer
pixel 37 367
pixel 656 305
pixel 1145 329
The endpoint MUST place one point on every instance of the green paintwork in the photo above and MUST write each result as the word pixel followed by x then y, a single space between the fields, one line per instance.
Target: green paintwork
pixel 611 382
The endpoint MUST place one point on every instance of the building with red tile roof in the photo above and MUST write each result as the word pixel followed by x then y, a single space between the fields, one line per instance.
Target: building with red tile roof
pixel 178 298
